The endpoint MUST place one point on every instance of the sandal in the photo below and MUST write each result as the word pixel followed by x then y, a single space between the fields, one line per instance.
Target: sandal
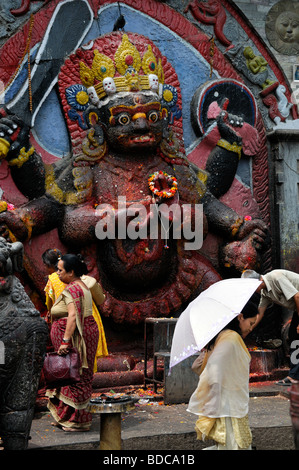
pixel 286 381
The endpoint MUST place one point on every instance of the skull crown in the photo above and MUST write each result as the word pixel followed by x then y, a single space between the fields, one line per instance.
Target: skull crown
pixel 134 73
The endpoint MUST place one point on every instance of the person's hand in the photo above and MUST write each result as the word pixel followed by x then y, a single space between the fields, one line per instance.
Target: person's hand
pixel 63 349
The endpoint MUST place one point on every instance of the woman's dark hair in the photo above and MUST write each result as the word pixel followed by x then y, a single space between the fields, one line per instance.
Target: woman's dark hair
pixel 50 257
pixel 249 310
pixel 74 263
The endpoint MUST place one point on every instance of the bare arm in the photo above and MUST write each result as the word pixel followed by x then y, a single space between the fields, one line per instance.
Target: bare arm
pixel 296 299
pixel 70 328
pixel 261 311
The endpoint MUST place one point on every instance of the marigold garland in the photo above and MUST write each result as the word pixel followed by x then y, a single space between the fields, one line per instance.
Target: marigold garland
pixel 6 206
pixel 167 193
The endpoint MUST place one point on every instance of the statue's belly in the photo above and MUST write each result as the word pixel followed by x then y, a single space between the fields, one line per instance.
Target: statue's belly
pixel 136 267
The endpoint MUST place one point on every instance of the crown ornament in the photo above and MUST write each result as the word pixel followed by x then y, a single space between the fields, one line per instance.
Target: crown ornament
pixel 127 72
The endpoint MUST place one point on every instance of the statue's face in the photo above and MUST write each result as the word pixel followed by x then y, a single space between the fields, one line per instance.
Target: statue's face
pixel 134 122
pixel 287 27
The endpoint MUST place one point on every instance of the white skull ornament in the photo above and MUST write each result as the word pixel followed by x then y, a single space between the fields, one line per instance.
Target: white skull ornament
pixel 109 86
pixel 153 82
pixel 93 95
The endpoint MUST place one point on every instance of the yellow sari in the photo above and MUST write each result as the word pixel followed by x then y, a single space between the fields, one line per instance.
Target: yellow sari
pixel 53 290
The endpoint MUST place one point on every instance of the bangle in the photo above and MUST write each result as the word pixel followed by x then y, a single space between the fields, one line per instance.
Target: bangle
pixel 65 341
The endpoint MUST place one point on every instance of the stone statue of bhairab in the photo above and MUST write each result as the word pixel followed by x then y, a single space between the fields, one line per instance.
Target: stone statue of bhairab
pixel 127 175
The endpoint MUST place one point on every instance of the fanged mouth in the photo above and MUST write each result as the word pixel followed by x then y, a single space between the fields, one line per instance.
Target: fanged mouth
pixel 141 139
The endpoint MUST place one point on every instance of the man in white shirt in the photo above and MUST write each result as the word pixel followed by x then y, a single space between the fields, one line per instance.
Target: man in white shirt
pixel 281 287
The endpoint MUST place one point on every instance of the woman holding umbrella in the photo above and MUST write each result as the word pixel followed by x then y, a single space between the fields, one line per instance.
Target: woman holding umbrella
pixel 218 320
pixel 222 396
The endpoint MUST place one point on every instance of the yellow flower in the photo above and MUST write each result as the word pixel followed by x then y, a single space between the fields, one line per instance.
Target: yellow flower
pixel 82 97
pixel 3 206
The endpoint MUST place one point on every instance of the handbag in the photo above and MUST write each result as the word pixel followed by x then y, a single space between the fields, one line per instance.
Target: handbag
pixel 60 371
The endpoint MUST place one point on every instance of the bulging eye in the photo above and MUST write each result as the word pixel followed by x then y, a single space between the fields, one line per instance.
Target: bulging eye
pixel 124 119
pixel 153 116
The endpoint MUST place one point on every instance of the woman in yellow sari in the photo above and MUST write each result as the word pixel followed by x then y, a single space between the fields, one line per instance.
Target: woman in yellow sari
pixel 55 286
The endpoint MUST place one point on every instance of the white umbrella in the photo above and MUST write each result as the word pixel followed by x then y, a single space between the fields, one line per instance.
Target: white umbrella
pixel 208 314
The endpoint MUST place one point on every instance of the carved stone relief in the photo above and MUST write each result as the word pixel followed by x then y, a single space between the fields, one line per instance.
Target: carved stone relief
pixel 282 27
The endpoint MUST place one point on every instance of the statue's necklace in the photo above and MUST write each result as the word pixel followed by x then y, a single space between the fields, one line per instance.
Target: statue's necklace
pixel 168 189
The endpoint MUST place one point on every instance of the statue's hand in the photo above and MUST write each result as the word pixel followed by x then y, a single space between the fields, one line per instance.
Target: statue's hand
pixel 229 126
pixel 234 121
pixel 256 229
pixel 12 224
pixel 14 134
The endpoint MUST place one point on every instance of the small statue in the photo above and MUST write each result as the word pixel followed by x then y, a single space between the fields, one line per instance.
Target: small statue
pixel 23 334
pixel 254 67
pixel 257 65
